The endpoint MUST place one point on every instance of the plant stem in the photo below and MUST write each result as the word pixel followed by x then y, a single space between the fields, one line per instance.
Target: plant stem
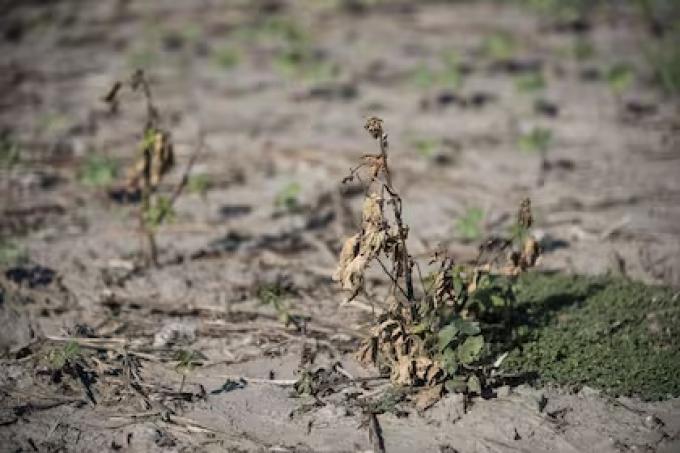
pixel 152 251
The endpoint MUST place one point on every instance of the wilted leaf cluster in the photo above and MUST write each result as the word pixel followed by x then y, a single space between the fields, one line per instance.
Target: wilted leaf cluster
pixel 434 338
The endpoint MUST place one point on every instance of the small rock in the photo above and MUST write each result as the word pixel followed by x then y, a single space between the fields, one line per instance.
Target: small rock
pixel 174 332
pixel 653 422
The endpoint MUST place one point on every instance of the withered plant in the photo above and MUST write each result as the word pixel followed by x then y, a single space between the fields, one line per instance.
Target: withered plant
pixel 155 158
pixel 441 336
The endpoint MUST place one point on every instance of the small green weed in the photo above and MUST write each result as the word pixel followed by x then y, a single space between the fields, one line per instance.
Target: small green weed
pixel 227 57
pixel 288 197
pixel 664 58
pixel 187 360
pixel 583 49
pixel 562 10
pixel 199 184
pixel 427 147
pixel 537 139
pixel 98 170
pixel 12 254
pixel 620 77
pixel 143 58
pixel 274 295
pixel 469 226
pixel 530 83
pixel 10 152
pixel 612 334
pixel 160 210
pixel 499 46
pixel 58 358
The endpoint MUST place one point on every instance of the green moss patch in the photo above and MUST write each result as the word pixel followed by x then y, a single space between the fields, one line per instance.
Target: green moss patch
pixel 619 336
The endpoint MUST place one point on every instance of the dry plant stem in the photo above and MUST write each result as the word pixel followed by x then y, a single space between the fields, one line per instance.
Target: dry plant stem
pixel 185 176
pixel 375 433
pixel 148 234
pixel 395 201
pixel 406 259
pixel 395 282
pixel 151 127
pixel 139 80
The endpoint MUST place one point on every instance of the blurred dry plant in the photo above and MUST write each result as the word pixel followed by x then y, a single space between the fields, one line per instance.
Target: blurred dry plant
pixel 155 158
pixel 433 337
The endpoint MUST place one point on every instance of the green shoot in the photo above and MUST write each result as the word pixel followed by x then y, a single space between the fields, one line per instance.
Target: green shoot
pixel 160 210
pixel 199 184
pixel 227 57
pixel 60 357
pixel 664 58
pixel 427 147
pixel 530 83
pixel 469 226
pixel 10 153
pixel 98 171
pixel 11 254
pixel 274 295
pixel 499 46
pixel 536 140
pixel 288 197
pixel 583 49
pixel 620 77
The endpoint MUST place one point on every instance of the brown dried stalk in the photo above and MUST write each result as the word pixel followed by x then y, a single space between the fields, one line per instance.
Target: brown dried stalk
pixel 377 235
pixel 156 161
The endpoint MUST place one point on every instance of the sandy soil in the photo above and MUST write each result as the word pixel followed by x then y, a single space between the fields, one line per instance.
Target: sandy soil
pixel 609 203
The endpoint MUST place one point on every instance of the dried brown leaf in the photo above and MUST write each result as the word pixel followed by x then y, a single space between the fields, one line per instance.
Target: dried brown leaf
pixel 162 157
pixel 524 217
pixel 374 126
pixel 428 396
pixel 402 371
pixel 530 253
pixel 347 254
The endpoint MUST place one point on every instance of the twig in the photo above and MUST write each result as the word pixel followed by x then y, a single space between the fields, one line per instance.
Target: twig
pixel 389 274
pixel 375 433
pixel 235 377
pixel 185 176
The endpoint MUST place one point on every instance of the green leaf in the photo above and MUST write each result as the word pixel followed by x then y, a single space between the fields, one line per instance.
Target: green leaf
pixel 449 361
pixel 497 301
pixel 474 385
pixel 148 140
pixel 420 328
pixel 466 327
pixel 456 384
pixel 471 349
pixel 447 335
